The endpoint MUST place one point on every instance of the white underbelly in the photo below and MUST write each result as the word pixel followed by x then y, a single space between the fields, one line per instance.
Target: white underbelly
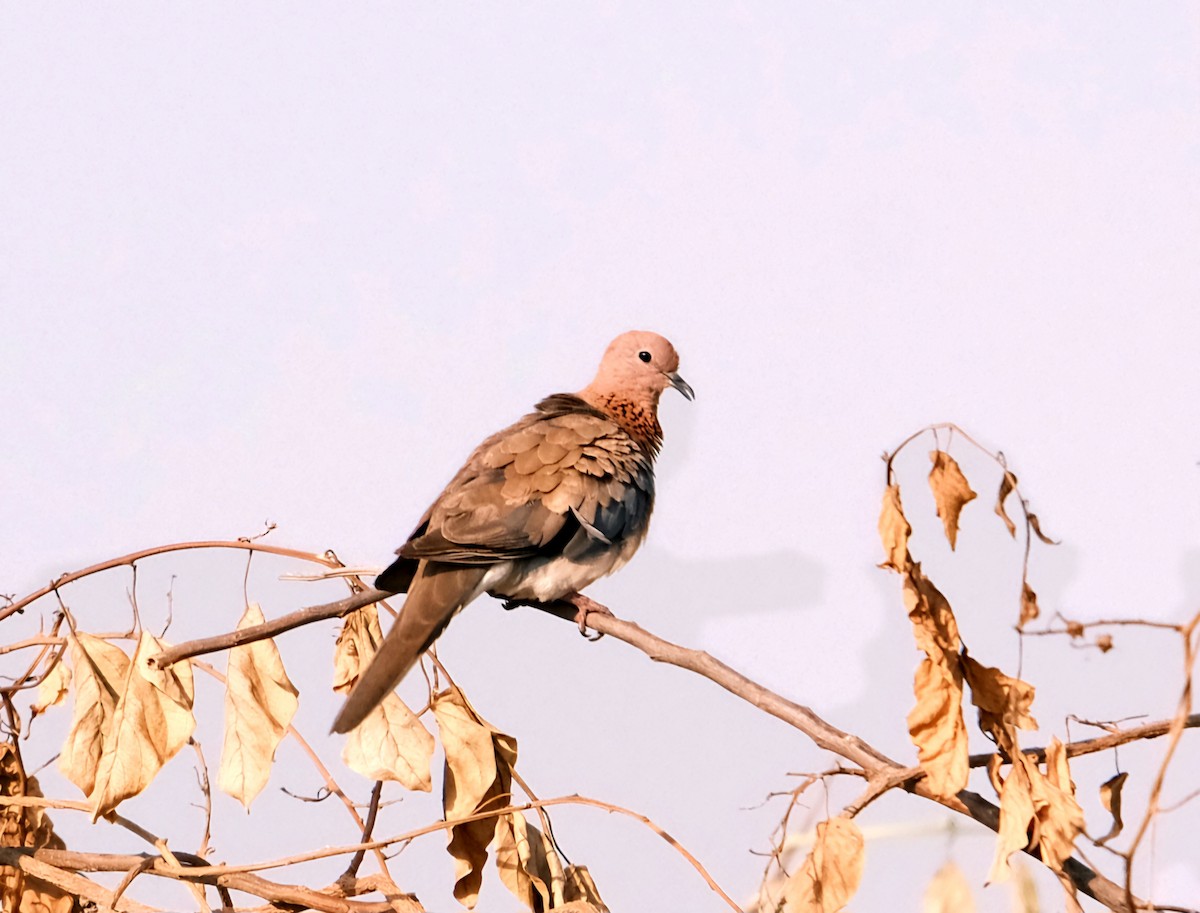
pixel 547 579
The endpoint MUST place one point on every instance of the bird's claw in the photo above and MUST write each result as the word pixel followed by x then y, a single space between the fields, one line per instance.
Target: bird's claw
pixel 581 620
pixel 584 606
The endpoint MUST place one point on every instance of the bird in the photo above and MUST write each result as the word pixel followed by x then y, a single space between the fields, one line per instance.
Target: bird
pixel 539 511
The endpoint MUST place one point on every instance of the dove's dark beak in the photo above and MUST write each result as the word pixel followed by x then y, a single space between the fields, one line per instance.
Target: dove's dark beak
pixel 681 385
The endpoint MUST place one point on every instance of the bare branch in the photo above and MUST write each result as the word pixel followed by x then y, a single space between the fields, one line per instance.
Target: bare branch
pixel 68 881
pixel 850 747
pixel 1100 743
pixel 267 629
pixel 57 866
pixel 129 559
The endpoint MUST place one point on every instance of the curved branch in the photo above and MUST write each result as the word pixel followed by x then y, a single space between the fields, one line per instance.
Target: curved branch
pixel 850 747
pixel 46 862
pixel 132 557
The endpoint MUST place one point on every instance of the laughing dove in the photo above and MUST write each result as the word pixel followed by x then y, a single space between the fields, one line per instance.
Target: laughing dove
pixel 541 510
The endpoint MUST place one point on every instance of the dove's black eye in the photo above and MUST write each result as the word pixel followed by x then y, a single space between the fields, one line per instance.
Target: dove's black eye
pixel 644 356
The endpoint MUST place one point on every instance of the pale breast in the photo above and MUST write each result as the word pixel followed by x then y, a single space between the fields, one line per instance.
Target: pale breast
pixel 546 579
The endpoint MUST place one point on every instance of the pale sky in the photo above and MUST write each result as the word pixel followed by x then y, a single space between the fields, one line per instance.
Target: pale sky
pixel 291 263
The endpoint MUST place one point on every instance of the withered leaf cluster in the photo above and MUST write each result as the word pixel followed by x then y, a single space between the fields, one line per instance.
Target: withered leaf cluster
pixel 478 778
pixel 26 826
pixel 130 718
pixel 1038 808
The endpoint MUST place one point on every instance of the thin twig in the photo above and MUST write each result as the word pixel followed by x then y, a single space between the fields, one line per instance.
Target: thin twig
pixel 775 858
pixel 1177 726
pixel 1071 627
pixel 129 559
pixel 367 828
pixel 197 890
pixel 26 679
pixel 206 791
pixel 146 864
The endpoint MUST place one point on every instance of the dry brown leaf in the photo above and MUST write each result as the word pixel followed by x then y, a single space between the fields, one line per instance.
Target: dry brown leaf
pixel 1110 798
pixel 260 701
pixel 478 777
pixel 950 491
pixel 523 860
pixel 357 643
pixel 1029 606
pixel 1037 529
pixel 894 531
pixel 391 743
pixel 1074 629
pixel 152 721
pixel 41 896
pixel 580 891
pixel 933 620
pixel 936 724
pixel 936 727
pixel 1044 802
pixel 948 892
pixel 52 689
pixel 1060 819
pixel 1104 642
pixel 994 764
pixel 1003 703
pixel 100 672
pixel 1016 816
pixel 1007 484
pixel 831 872
pixel 29 828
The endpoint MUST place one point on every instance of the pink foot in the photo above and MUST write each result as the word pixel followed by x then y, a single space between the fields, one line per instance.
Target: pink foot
pixel 584 606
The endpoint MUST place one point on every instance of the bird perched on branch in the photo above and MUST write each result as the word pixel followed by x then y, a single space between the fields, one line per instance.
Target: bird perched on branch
pixel 541 510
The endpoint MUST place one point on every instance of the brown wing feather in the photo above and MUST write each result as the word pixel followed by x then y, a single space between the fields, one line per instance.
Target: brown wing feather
pixel 517 493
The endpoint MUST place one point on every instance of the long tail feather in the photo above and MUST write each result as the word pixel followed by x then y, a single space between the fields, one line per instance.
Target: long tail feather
pixel 436 594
